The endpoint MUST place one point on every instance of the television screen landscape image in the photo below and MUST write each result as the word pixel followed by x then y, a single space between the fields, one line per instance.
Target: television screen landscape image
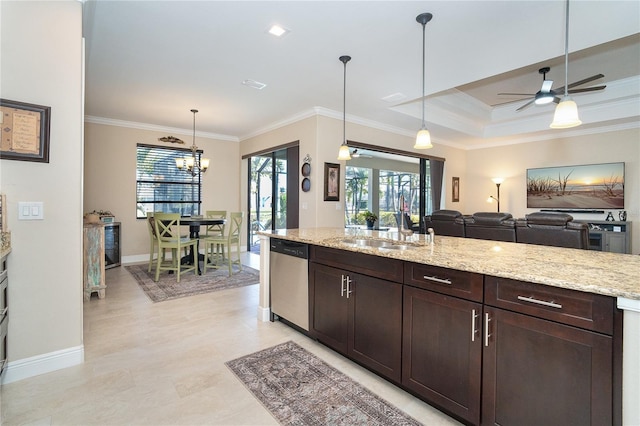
pixel 593 186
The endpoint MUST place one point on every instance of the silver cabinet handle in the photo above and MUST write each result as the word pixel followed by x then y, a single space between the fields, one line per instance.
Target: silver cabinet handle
pixel 438 280
pixel 474 316
pixel 342 287
pixel 486 328
pixel 540 302
pixel 348 286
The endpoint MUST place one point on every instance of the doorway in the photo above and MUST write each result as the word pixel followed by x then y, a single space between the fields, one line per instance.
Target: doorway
pixel 273 192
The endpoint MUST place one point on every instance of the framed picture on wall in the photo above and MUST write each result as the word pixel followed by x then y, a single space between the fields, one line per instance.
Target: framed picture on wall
pixel 25 131
pixel 455 189
pixel 331 182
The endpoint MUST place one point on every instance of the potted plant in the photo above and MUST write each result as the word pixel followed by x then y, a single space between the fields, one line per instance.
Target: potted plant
pixel 370 218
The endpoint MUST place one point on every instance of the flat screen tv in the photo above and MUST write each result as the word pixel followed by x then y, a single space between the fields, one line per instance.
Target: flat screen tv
pixel 582 187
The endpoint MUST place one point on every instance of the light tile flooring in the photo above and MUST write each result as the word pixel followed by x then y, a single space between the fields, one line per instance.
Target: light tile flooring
pixel 163 364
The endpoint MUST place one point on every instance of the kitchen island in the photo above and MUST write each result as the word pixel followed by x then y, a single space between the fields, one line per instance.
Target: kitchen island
pixel 614 275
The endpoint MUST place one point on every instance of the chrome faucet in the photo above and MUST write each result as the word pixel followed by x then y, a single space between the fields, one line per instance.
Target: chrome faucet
pixel 403 232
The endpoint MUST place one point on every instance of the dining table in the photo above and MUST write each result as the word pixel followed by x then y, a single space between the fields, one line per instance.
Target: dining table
pixel 194 223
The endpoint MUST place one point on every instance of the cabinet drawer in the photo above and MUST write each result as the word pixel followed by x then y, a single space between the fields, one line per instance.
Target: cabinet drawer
pixel 367 264
pixel 466 285
pixel 585 310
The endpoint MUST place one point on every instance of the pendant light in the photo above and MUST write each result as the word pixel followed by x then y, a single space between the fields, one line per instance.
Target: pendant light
pixel 423 139
pixel 344 154
pixel 192 164
pixel 566 114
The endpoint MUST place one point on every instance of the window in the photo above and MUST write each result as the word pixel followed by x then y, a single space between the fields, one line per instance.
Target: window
pixel 161 186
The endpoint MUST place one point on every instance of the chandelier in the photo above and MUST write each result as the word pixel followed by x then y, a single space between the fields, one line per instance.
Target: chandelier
pixel 193 165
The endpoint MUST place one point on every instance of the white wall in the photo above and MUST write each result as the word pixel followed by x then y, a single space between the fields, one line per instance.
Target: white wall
pixel 42 64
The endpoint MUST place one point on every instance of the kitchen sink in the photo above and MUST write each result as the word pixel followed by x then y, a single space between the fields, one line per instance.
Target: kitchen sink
pixel 372 243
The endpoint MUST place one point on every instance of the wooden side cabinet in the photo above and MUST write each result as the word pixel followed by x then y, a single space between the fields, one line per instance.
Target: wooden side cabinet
pixel 93 263
pixel 4 312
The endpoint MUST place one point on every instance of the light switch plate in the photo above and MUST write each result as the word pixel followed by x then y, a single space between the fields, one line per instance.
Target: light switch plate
pixel 30 210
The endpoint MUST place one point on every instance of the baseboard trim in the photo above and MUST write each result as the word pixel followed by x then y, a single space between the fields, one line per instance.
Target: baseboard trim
pixel 41 364
pixel 264 314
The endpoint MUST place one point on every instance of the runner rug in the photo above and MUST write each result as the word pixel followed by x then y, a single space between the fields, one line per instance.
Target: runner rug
pixel 191 284
pixel 300 389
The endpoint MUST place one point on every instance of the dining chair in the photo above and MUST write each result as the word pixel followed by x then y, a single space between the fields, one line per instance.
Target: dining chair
pixel 167 227
pixel 215 230
pixel 225 241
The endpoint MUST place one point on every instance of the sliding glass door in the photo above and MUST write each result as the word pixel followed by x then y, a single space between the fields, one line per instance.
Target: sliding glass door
pixel 273 194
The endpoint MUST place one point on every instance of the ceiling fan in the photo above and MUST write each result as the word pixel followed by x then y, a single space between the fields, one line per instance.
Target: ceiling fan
pixel 547 95
pixel 356 154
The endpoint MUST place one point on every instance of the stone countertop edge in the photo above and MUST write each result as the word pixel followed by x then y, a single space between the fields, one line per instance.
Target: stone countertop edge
pixel 609 274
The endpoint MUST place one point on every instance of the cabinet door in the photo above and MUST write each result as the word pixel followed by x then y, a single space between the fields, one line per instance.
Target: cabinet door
pixel 375 327
pixel 538 372
pixel 328 307
pixel 615 242
pixel 442 351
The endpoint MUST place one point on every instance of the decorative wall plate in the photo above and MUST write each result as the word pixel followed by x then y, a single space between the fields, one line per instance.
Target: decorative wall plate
pixel 306 169
pixel 306 184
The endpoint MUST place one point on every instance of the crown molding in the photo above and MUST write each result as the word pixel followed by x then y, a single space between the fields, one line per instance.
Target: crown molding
pixel 143 126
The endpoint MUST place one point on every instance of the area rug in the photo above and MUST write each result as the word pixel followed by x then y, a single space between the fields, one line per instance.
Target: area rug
pixel 300 389
pixel 191 284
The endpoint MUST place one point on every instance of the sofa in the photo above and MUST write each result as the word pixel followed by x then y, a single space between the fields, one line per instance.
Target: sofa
pixel 552 229
pixel 541 228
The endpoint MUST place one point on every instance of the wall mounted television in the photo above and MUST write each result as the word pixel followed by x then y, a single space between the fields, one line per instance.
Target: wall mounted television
pixel 581 187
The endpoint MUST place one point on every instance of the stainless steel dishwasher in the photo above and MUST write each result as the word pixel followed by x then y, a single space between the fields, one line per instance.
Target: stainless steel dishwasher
pixel 289 281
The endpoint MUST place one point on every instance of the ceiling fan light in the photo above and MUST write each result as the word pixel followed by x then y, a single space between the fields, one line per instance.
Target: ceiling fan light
pixel 423 139
pixel 544 98
pixel 566 114
pixel 343 153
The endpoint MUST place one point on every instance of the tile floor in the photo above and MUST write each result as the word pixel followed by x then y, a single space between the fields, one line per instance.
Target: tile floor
pixel 163 364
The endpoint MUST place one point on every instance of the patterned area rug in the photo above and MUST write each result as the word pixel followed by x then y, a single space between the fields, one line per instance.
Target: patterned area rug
pixel 190 284
pixel 300 389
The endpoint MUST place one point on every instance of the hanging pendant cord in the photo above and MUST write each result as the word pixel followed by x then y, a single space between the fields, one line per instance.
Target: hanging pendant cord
pixel 344 105
pixel 424 25
pixel 566 53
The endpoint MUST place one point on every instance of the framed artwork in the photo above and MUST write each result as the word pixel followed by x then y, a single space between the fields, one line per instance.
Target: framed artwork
pixel 331 182
pixel 455 189
pixel 25 131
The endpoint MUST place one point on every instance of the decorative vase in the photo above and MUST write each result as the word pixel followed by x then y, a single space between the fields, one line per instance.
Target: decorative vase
pixel 370 224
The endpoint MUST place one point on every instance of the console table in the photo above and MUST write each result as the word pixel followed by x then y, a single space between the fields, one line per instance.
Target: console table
pixel 611 236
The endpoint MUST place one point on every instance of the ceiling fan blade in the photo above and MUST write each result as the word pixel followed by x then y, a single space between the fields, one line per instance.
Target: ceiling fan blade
pixel 587 89
pixel 517 94
pixel 546 86
pixel 581 82
pixel 525 105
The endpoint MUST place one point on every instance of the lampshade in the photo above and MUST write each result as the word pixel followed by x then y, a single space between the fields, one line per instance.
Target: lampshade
pixel 566 114
pixel 423 140
pixel 497 180
pixel 344 154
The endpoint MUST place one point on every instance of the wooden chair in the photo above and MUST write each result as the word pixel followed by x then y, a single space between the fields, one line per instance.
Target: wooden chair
pixel 225 241
pixel 166 225
pixel 215 231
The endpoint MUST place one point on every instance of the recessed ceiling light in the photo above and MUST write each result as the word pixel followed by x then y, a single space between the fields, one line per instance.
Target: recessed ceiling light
pixel 278 31
pixel 254 84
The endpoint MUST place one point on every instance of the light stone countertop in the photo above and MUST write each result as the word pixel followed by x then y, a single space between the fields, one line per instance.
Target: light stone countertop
pixel 610 274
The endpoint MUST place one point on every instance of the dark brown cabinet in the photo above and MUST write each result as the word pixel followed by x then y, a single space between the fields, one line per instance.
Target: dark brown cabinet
pixel 442 347
pixel 543 363
pixel 357 315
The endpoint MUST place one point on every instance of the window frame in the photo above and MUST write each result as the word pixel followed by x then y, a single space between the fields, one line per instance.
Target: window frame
pixel 177 178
